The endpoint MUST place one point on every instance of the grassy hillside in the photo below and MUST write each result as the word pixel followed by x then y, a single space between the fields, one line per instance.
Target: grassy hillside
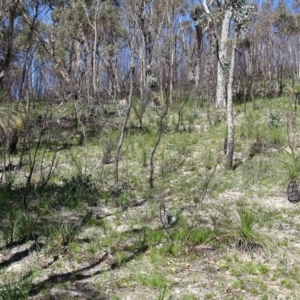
pixel 202 232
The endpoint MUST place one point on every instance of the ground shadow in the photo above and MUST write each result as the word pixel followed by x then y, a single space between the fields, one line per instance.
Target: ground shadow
pixel 21 255
pixel 77 275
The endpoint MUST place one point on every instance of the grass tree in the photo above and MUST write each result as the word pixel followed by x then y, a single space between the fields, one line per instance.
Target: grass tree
pixel 11 121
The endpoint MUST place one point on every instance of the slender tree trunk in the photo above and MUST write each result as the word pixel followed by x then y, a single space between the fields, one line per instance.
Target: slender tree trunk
pixel 221 82
pixel 122 135
pixel 8 54
pixel 160 133
pixel 230 119
pixel 298 60
pixel 94 72
pixel 199 37
pixel 142 75
pixel 171 21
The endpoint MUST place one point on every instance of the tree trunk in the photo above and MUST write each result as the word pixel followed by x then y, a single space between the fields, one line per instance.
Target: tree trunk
pixel 13 140
pixel 122 133
pixel 222 54
pixel 6 60
pixel 230 119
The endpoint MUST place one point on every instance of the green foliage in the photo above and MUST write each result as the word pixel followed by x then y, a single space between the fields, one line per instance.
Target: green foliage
pixel 294 170
pixel 209 160
pixel 144 158
pixel 18 225
pixel 297 89
pixel 154 280
pixel 109 147
pixel 278 136
pixel 274 120
pixel 292 166
pixel 243 13
pixel 247 220
pixel 132 232
pixel 153 237
pixel 77 190
pixel 244 231
pixel 124 199
pixel 185 235
pixel 247 236
pixel 285 22
pixel 11 116
pixel 59 234
pixel 16 290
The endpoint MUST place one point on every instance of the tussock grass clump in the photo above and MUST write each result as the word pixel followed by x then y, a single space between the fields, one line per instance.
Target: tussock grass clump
pixel 292 167
pixel 154 279
pixel 18 226
pixel 76 190
pixel 244 231
pixel 12 290
pixel 192 236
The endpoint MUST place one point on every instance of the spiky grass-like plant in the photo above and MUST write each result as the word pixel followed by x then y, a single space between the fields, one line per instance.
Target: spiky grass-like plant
pixel 292 166
pixel 247 237
pixel 16 290
pixel 11 122
pixel 244 232
pixel 11 115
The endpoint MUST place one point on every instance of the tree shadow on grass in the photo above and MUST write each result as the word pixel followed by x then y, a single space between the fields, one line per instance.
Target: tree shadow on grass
pixel 12 200
pixel 21 255
pixel 77 275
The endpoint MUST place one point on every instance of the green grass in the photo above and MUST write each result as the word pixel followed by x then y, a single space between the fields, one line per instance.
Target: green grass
pixel 245 232
pixel 156 280
pixel 12 290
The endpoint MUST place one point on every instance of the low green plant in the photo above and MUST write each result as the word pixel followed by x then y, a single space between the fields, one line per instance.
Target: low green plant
pixel 274 120
pixel 247 237
pixel 292 165
pixel 244 232
pixel 153 237
pixel 17 225
pixel 162 293
pixel 193 297
pixel 10 179
pixel 60 234
pixel 239 283
pixel 190 119
pixel 209 160
pixel 17 290
pixel 255 269
pixel 144 158
pixel 104 225
pixel 278 136
pixel 155 280
pixel 183 235
pixel 76 190
pixel 75 248
pixel 26 225
pixel 8 222
pixel 287 283
pixel 109 146
pixel 124 199
pixel 199 236
pixel 93 247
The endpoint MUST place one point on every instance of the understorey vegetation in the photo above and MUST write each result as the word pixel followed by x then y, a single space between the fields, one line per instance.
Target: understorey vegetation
pixel 149 149
pixel 66 224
